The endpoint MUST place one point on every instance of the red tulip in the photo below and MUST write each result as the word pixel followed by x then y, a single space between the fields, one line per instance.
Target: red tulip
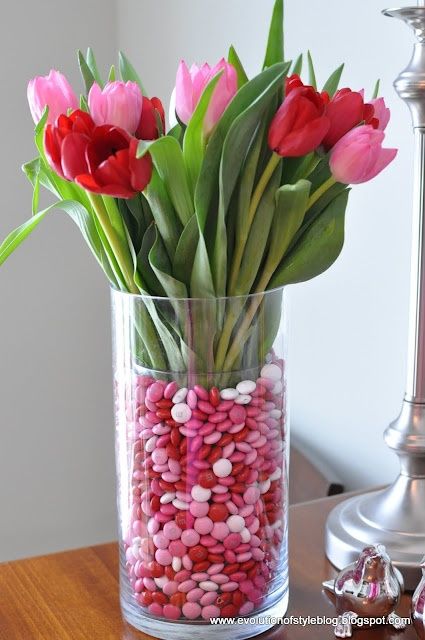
pixel 300 124
pixel 293 82
pixel 152 111
pixel 100 159
pixel 345 111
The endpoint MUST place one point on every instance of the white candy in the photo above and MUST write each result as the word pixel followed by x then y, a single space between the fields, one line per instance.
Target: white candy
pixel 245 535
pixel 150 444
pixel 222 468
pixel 181 412
pixel 180 395
pixel 160 582
pixel 176 564
pixel 235 523
pixel 272 372
pixel 167 497
pixel 229 394
pixel 200 494
pixel 275 475
pixel 208 585
pixel 276 414
pixel 264 486
pixel 278 388
pixel 246 386
pixel 244 399
pixel 277 524
pixel 179 504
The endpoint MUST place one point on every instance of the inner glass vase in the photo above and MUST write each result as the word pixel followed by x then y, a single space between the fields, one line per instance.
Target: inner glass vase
pixel 202 442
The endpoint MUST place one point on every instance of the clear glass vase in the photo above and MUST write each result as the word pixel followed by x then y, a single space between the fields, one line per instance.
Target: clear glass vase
pixel 202 440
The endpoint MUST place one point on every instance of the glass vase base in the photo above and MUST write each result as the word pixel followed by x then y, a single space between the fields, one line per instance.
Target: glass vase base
pixel 252 625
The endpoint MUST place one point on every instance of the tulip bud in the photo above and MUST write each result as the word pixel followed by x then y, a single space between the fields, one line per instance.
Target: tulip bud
pixel 358 156
pixel 190 85
pixel 381 113
pixel 300 124
pixel 118 104
pixel 52 91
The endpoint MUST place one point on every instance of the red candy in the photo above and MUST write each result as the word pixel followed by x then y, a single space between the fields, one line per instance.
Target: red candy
pixel 207 478
pixel 172 476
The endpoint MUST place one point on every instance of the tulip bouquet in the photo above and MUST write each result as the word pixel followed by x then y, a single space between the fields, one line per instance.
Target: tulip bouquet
pixel 246 192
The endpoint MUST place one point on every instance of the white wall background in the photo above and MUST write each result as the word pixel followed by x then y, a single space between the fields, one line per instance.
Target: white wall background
pixel 348 327
pixel 56 448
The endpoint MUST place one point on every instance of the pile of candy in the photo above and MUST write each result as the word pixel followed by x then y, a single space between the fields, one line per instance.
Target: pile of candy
pixel 208 521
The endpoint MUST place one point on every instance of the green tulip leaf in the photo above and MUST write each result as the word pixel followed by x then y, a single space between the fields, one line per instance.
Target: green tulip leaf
pixel 235 149
pixel 332 83
pixel 375 93
pixel 201 281
pixel 86 72
pixel 84 105
pixel 128 72
pixel 92 65
pixel 258 237
pixel 291 206
pixel 275 45
pixel 318 247
pixel 298 65
pixel 16 237
pixel 311 71
pixel 112 74
pixel 164 213
pixel 235 61
pixel 144 276
pixel 161 266
pixel 186 250
pixel 167 158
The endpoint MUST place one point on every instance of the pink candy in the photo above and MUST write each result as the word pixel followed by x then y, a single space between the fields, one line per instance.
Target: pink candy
pixel 207 494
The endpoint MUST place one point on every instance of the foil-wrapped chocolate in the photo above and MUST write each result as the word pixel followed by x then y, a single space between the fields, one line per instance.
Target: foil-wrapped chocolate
pixel 418 606
pixel 368 588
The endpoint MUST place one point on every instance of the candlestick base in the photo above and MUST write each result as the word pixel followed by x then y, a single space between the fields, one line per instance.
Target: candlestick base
pixel 394 516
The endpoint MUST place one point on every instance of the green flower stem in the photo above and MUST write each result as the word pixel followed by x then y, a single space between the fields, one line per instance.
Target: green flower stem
pixel 226 333
pixel 122 256
pixel 320 191
pixel 238 255
pixel 115 217
pixel 241 335
pixel 255 201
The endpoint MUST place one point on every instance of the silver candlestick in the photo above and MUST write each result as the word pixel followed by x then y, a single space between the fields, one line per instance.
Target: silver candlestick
pixel 395 516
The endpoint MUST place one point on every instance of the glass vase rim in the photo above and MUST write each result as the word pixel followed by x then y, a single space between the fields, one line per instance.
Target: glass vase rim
pixel 244 296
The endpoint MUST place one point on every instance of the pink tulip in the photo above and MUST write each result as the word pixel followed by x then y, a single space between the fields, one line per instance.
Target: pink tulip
pixel 53 91
pixel 358 156
pixel 118 104
pixel 382 113
pixel 190 85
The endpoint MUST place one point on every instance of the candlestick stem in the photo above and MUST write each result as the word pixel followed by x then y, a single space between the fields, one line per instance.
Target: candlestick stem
pixel 396 516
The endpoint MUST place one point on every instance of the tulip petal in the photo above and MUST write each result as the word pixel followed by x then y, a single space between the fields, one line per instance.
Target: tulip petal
pixel 385 158
pixel 140 168
pixel 73 152
pixel 345 111
pixel 301 142
pixel 184 93
pixel 86 181
pixel 52 149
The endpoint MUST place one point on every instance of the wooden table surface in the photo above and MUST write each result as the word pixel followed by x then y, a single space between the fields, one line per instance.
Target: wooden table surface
pixel 74 595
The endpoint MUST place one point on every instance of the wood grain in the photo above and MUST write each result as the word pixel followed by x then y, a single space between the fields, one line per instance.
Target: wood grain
pixel 74 595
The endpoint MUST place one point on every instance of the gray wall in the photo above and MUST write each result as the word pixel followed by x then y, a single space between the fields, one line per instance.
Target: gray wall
pixel 56 445
pixel 348 327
